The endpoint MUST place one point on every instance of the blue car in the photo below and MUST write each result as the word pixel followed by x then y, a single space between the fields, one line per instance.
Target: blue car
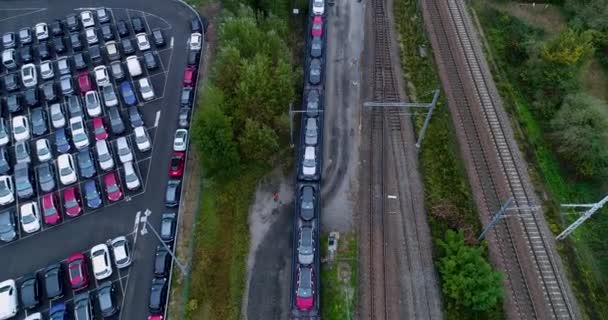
pixel 128 95
pixel 92 195
pixel 59 312
pixel 61 141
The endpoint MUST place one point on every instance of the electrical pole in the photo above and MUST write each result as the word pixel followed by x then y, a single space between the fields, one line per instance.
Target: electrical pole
pixel 502 213
pixel 593 208
pixel 182 267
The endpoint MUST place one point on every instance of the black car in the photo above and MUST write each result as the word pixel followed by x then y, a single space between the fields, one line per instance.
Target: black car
pixel 57 28
pixel 106 299
pixel 158 295
pixel 79 61
pixel 162 262
pixel 312 103
pixel 167 225
pixel 26 54
pixel 86 163
pixel 107 32
pixel 38 119
pixel 49 91
pixel 13 103
pixel 29 292
pixel 75 41
pixel 95 54
pixel 314 73
pixel 11 82
pixel 195 26
pixel 183 117
pixel 74 106
pixel 135 117
pixel 123 28
pixel 31 97
pixel 46 176
pixel 83 310
pixel 73 22
pixel 158 37
pixel 307 203
pixel 138 24
pixel 53 281
pixel 43 51
pixel 8 231
pixel 59 45
pixel 150 60
pixel 127 46
pixel 316 47
pixel 116 124
pixel 193 56
pixel 185 98
pixel 61 141
pixel 5 165
pixel 172 193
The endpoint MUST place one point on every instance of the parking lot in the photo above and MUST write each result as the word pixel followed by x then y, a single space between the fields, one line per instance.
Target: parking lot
pixel 32 252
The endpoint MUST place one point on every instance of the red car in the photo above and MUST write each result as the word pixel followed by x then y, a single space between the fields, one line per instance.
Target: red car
pixel 305 293
pixel 317 26
pixel 176 166
pixel 84 82
pixel 112 188
pixel 50 209
pixel 189 76
pixel 71 201
pixel 155 317
pixel 77 271
pixel 100 129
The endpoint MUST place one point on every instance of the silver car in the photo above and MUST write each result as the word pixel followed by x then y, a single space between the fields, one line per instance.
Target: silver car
pixel 312 134
pixel 109 96
pixel 124 151
pixel 57 116
pixel 22 152
pixel 306 248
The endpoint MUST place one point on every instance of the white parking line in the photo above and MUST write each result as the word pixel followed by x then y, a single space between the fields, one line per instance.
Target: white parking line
pixel 157 118
pixel 22 14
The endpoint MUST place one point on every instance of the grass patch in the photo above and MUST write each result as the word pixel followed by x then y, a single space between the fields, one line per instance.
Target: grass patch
pixel 584 252
pixel 447 192
pixel 221 244
pixel 339 279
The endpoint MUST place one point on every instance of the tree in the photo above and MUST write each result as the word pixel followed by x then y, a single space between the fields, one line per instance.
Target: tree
pixel 258 142
pixel 468 279
pixel 213 137
pixel 227 69
pixel 580 134
pixel 569 48
pixel 588 14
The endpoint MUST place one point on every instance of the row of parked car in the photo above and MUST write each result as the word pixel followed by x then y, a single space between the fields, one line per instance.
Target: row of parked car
pixel 308 190
pixel 76 269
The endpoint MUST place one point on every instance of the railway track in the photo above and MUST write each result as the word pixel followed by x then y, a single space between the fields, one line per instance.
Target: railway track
pixel 536 289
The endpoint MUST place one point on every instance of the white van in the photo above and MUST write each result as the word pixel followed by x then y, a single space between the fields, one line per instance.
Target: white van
pixel 134 66
pixel 9 59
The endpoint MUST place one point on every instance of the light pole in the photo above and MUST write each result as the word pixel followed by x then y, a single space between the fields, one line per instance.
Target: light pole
pixel 182 267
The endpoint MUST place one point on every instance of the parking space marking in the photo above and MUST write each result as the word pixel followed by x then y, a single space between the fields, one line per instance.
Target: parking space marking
pixel 157 118
pixel 21 14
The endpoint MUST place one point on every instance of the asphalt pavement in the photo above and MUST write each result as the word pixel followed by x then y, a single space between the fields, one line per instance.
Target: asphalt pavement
pixel 127 217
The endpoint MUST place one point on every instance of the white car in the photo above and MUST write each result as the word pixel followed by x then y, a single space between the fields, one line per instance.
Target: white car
pixel 142 140
pixel 109 95
pixel 66 168
pixel 309 164
pixel 30 217
pixel 87 19
pixel 42 31
pixel 46 70
pixel 21 128
pixel 43 150
pixel 146 90
pixel 91 35
pixel 180 141
pixel 100 259
pixel 79 133
pixel 121 252
pixel 4 135
pixel 104 157
pixel 8 299
pixel 57 116
pixel 318 7
pixel 34 316
pixel 131 178
pixel 7 190
pixel 142 41
pixel 91 99
pixel 29 76
pixel 195 42
pixel 101 76
pixel 124 151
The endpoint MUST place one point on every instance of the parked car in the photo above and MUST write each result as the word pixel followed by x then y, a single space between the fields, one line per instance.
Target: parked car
pixel 8 231
pixel 102 78
pixel 318 7
pixel 127 46
pixel 8 40
pixel 127 93
pixel 189 76
pixel 172 193
pixel 193 57
pixel 305 290
pixel 135 117
pixel 92 105
pixel 121 252
pixel 100 259
pixel 159 38
pixel 314 75
pixel 75 106
pixel 183 117
pixel 75 42
pixel 78 271
pixel 158 295
pixel 67 169
pixel 123 150
pixel 72 22
pixel 185 98
pixel 104 157
pixel 308 203
pixel 4 135
pixel 8 296
pixel 61 141
pixel 180 140
pixel 123 28
pixel 59 45
pixel 53 281
pixel 103 15
pixel 83 309
pixel 306 246
pixel 317 26
pixel 84 82
pixel 57 28
pixel 117 70
pixel 46 70
pixel 63 66
pixel 67 85
pixel 72 201
pixel 25 35
pixel 176 164
pixel 30 217
pixel 145 89
pixel 168 222
pixel 92 194
pixel 29 75
pixel 43 50
pixel 46 176
pixel 138 24
pixel 5 165
pixel 50 209
pixel 195 42
pixel 22 152
pixel 142 41
pixel 116 124
pixel 58 311
pixel 7 190
pixel 106 299
pixel 23 181
pixel 162 262
pixel 142 140
pixel 131 178
pixel 316 47
pixel 309 164
pixel 150 60
pixel 311 136
pixel 79 133
pixel 112 51
pixel 26 54
pixel 86 164
pixel 107 32
pixel 49 91
pixel 80 61
pixel 30 292
pixel 95 54
pixel 195 26
pixel 99 129
pixel 43 150
pixel 112 187
pixel 11 82
pixel 39 121
pixel 312 103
